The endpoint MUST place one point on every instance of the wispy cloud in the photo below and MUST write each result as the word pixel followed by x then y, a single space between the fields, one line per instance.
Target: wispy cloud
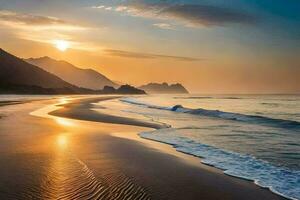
pixel 164 26
pixel 14 19
pixel 108 8
pixel 138 55
pixel 28 19
pixel 98 7
pixel 192 15
pixel 121 8
pixel 42 29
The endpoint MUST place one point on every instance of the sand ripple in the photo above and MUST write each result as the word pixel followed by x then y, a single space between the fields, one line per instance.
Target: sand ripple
pixel 69 178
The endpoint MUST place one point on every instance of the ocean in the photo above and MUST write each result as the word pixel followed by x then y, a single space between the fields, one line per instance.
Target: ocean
pixel 254 137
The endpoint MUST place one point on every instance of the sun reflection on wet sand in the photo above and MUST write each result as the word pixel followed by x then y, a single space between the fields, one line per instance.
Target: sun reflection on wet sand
pixel 68 171
pixel 63 100
pixel 64 122
pixel 62 141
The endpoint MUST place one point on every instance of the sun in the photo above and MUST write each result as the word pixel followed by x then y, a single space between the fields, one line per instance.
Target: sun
pixel 61 45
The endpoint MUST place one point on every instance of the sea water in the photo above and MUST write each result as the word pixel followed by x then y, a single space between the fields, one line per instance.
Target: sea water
pixel 255 137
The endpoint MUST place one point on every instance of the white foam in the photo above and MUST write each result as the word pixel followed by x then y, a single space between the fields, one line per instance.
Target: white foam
pixel 282 123
pixel 279 180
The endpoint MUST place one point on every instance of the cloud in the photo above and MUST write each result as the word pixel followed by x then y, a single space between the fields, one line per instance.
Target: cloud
pixel 121 8
pixel 108 8
pixel 43 29
pixel 98 7
pixel 28 19
pixel 164 26
pixel 137 55
pixel 192 15
pixel 206 15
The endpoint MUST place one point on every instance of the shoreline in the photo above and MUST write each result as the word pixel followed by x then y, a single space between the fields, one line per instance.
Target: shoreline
pixel 107 159
pixel 80 109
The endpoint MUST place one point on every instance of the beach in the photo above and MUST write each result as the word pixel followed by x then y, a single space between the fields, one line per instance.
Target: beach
pixel 77 153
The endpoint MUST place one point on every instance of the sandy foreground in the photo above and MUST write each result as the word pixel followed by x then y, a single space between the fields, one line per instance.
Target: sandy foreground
pixel 76 153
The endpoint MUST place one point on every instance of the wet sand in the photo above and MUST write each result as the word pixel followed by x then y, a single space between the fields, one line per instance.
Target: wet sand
pixel 6 103
pixel 81 109
pixel 50 157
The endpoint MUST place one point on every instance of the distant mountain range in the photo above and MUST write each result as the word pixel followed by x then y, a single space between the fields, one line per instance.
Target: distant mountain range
pixel 123 89
pixel 164 88
pixel 20 77
pixel 85 78
pixel 48 76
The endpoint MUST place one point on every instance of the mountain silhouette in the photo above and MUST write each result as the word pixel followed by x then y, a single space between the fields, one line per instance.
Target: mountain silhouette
pixel 86 78
pixel 18 76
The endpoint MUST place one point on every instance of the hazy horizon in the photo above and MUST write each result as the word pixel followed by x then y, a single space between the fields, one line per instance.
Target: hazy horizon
pixel 211 47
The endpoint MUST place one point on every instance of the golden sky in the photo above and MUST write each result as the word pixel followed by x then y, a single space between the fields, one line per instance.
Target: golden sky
pixel 209 47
